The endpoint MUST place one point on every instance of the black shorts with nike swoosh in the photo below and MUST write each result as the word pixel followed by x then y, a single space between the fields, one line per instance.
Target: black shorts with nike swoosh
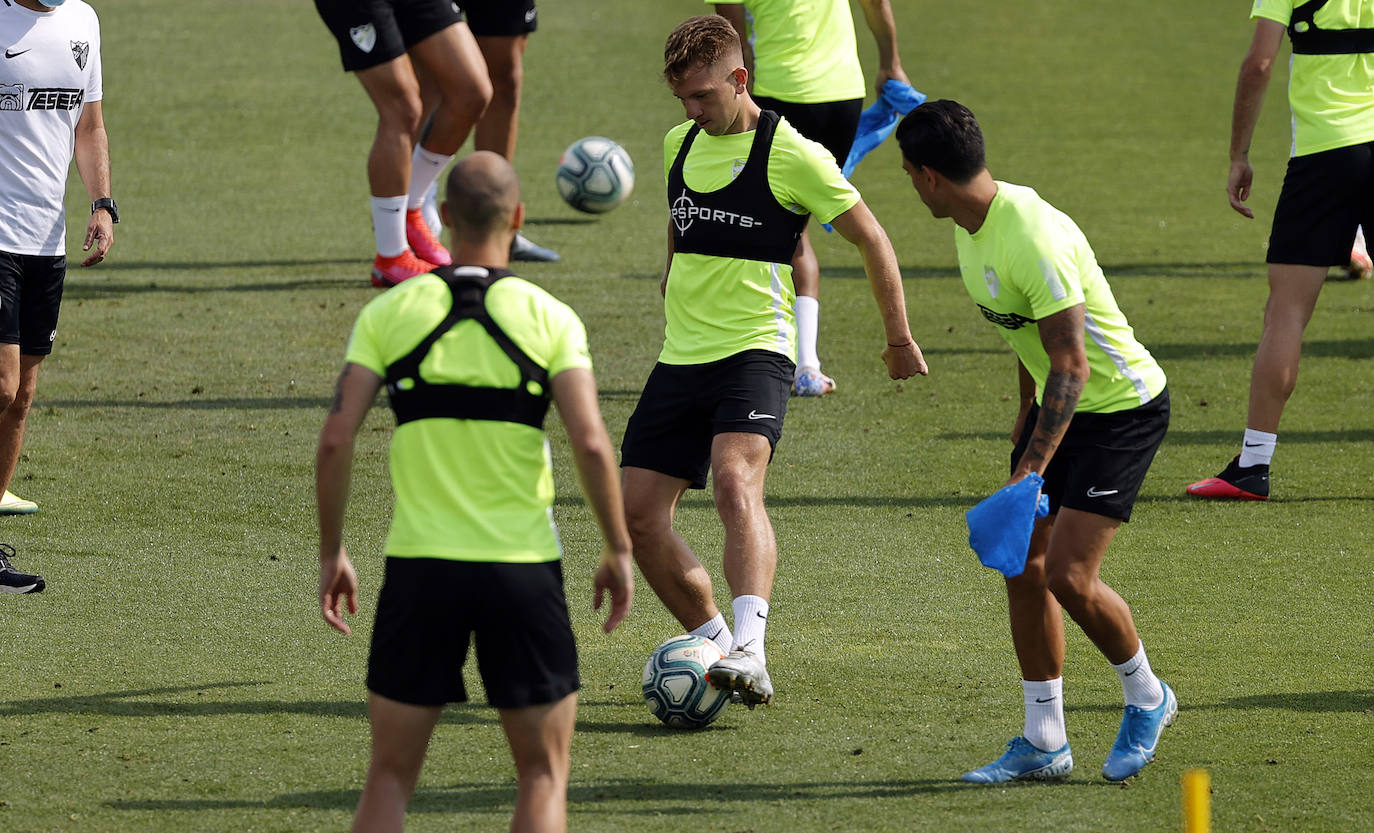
pixel 1102 459
pixel 684 406
pixel 500 18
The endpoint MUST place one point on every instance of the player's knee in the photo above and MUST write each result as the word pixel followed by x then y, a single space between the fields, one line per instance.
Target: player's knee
pixel 1070 585
pixel 402 113
pixel 468 101
pixel 645 522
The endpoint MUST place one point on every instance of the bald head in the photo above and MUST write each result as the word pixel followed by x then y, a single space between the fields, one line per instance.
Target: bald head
pixel 483 195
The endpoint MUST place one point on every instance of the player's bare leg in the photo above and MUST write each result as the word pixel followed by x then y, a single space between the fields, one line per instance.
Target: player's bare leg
pixel 540 743
pixel 499 125
pixel 1293 292
pixel 668 564
pixel 400 736
pixel 739 466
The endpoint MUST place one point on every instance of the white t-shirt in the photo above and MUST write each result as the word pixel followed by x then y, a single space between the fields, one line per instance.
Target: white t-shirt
pixel 50 68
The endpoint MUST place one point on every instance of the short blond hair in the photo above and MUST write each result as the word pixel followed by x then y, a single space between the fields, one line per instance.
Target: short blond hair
pixel 699 42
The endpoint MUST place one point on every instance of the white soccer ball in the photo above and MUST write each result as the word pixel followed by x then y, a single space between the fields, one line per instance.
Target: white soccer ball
pixel 675 683
pixel 595 175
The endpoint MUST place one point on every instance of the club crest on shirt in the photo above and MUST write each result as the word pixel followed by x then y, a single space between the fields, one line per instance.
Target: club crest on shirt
pixel 990 278
pixel 81 52
pixel 364 37
pixel 11 97
pixel 736 167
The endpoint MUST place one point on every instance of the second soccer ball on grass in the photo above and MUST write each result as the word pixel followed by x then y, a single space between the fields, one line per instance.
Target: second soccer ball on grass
pixel 595 175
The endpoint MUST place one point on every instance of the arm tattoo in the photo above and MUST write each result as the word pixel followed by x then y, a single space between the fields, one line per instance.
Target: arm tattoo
pixel 1057 406
pixel 338 392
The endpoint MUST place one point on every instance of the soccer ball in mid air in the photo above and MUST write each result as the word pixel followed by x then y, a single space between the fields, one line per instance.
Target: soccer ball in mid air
pixel 675 683
pixel 595 175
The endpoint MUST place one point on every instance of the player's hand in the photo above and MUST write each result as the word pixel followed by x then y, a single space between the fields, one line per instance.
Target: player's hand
pixel 1238 186
pixel 885 75
pixel 100 234
pixel 905 360
pixel 338 583
pixel 615 574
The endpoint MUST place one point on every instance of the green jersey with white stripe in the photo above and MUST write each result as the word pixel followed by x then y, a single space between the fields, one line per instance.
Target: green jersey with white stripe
pixel 1029 261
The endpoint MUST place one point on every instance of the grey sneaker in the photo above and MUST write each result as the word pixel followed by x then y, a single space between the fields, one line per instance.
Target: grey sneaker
pixel 741 673
pixel 522 249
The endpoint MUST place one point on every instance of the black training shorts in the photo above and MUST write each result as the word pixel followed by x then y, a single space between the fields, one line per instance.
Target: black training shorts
pixel 372 32
pixel 1325 195
pixel 500 18
pixel 30 295
pixel 684 406
pixel 429 608
pixel 1102 459
pixel 832 123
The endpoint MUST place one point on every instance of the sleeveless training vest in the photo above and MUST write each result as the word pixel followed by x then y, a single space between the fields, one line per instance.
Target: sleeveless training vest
pixel 413 398
pixel 742 220
pixel 1309 40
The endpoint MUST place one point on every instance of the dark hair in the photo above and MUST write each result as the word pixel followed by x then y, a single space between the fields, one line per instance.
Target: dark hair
pixel 943 135
pixel 698 42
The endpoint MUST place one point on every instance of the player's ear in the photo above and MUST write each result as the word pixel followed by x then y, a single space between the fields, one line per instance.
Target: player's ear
pixel 740 75
pixel 518 218
pixel 443 214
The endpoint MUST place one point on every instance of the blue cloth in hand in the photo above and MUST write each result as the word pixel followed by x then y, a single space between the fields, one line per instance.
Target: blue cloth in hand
pixel 999 527
pixel 879 120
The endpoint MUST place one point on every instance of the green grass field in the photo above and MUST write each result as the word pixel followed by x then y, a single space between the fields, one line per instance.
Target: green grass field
pixel 176 675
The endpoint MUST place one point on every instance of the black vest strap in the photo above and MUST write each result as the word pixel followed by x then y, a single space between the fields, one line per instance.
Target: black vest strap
pixel 1309 40
pixel 413 398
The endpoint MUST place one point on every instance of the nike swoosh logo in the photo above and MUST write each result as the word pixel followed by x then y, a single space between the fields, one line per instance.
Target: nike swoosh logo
pixel 757 415
pixel 9 54
pixel 759 613
pixel 1132 671
pixel 392 210
pixel 1253 445
pixel 1093 491
pixel 1046 699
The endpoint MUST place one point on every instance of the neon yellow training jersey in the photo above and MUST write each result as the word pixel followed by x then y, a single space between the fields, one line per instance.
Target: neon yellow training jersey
pixel 804 50
pixel 1332 96
pixel 719 306
pixel 1029 261
pixel 470 490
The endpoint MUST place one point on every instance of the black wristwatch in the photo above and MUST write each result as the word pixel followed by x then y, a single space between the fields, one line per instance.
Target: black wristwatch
pixel 108 204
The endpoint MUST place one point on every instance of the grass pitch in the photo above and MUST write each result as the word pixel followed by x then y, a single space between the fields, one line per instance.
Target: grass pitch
pixel 176 675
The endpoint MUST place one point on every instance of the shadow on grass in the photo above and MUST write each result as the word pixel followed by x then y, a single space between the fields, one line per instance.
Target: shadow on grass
pixel 129 703
pixel 240 403
pixel 353 277
pixel 641 796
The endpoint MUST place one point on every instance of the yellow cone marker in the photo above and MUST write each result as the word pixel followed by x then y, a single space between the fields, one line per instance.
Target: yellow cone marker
pixel 1197 801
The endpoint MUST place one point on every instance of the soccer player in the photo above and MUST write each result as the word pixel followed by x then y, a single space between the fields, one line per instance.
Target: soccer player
pixel 741 184
pixel 471 357
pixel 1094 409
pixel 1327 192
pixel 804 66
pixel 383 42
pixel 50 113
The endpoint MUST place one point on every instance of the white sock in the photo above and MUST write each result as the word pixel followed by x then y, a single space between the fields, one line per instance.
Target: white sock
pixel 389 225
pixel 1138 682
pixel 1257 447
pixel 1359 240
pixel 1045 713
pixel 425 168
pixel 717 631
pixel 751 620
pixel 808 312
pixel 430 207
